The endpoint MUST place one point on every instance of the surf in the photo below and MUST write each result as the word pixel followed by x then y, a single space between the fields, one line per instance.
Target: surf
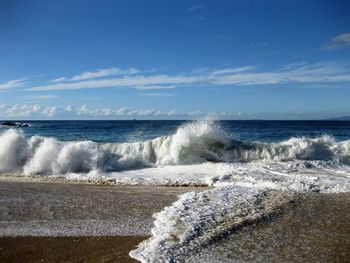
pixel 192 143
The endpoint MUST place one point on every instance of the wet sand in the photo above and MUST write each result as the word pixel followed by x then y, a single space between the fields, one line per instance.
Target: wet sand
pixel 68 249
pixel 73 209
pixel 317 229
pixel 70 222
pixel 45 221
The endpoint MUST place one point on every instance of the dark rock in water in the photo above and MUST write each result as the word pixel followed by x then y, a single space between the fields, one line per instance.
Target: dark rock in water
pixel 8 123
pixel 15 124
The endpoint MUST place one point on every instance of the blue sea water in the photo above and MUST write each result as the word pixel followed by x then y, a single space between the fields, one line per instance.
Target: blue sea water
pixel 131 131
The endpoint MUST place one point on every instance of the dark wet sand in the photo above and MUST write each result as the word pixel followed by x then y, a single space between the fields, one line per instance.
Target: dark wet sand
pixel 112 220
pixel 71 209
pixel 73 222
pixel 68 249
pixel 317 229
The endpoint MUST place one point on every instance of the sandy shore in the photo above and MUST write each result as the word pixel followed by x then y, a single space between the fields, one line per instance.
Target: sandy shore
pixel 45 221
pixel 72 222
pixel 73 209
pixel 317 229
pixel 68 249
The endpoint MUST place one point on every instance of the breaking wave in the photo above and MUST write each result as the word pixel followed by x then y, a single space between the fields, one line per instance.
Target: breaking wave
pixel 193 143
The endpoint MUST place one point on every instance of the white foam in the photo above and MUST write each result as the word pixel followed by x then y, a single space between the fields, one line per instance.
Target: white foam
pixel 45 152
pixel 193 143
pixel 197 219
pixel 12 151
pixel 242 193
pixel 196 174
pixel 204 141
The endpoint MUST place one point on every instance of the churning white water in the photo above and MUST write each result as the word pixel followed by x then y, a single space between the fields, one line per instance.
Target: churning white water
pixel 193 143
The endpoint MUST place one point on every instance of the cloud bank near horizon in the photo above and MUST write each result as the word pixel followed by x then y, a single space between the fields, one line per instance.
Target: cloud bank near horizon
pixel 37 111
pixel 85 112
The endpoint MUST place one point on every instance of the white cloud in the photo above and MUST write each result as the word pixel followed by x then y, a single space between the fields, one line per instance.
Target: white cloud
pixel 157 94
pixel 340 41
pixel 51 111
pixel 100 73
pixel 196 7
pixel 2 106
pixel 13 84
pixel 308 73
pixel 249 75
pixel 58 79
pixel 18 111
pixel 41 97
pixel 126 81
pixel 154 87
pixel 69 108
pixel 36 111
pixel 103 73
pixel 230 70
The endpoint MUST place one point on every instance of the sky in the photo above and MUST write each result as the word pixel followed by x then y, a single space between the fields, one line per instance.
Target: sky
pixel 148 59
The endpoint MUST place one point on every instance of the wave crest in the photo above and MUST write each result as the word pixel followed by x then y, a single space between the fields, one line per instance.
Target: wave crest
pixel 205 141
pixel 195 142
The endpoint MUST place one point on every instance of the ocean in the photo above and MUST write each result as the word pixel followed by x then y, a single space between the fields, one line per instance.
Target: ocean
pixel 135 130
pixel 253 168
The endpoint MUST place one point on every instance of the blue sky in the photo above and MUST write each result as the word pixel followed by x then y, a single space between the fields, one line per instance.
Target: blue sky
pixel 174 59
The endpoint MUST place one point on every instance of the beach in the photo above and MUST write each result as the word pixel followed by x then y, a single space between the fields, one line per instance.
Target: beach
pixel 63 221
pixel 45 221
pixel 76 209
pixel 315 229
pixel 68 249
pixel 195 195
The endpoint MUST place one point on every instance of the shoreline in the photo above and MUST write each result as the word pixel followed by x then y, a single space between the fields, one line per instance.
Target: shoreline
pixel 68 249
pixel 58 220
pixel 317 229
pixel 55 221
pixel 74 209
pixel 21 178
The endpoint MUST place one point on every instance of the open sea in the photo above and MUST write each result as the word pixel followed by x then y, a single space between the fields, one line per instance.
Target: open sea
pixel 130 131
pixel 253 167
